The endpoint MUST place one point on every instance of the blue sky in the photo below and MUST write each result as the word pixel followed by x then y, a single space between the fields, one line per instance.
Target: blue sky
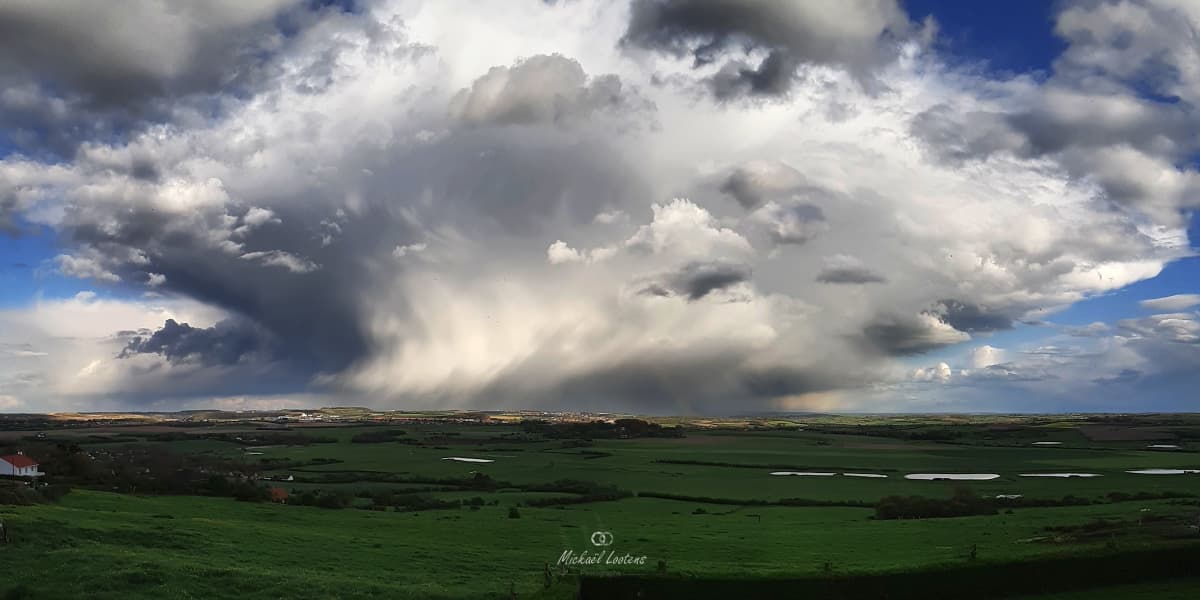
pixel 421 204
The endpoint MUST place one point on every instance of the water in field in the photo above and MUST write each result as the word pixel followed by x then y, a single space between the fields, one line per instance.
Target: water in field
pixel 1164 471
pixel 952 476
pixel 1060 475
pixel 803 473
pixel 1164 446
pixel 871 475
pixel 1047 443
pixel 470 460
pixel 1009 496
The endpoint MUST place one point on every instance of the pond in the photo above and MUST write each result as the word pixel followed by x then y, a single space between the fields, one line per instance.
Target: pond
pixel 1060 475
pixel 952 476
pixel 803 473
pixel 1164 471
pixel 870 475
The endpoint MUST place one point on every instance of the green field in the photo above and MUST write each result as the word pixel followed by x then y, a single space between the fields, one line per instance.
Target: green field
pixel 122 545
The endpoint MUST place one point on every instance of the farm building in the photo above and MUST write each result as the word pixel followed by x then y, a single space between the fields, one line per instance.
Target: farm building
pixel 19 465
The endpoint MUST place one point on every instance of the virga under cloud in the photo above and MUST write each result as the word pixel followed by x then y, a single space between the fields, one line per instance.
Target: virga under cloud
pixel 667 205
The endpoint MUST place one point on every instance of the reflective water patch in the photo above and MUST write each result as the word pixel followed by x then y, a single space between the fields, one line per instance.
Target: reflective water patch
pixel 952 476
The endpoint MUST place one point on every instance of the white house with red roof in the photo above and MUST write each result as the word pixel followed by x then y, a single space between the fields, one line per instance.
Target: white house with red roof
pixel 19 465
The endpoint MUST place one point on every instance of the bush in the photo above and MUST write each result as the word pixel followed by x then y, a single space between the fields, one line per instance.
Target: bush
pixel 377 437
pixel 513 513
pixel 963 503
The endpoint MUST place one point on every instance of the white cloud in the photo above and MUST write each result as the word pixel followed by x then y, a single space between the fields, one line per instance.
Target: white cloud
pixel 405 250
pixel 941 373
pixel 683 229
pixel 279 258
pixel 985 356
pixel 84 267
pixel 1173 303
pixel 560 253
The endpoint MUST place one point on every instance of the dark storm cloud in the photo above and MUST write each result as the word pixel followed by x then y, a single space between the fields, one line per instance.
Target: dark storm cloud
pixel 958 137
pixel 670 384
pixel 1124 377
pixel 699 279
pixel 314 314
pixel 302 273
pixel 1069 121
pixel 73 71
pixel 902 336
pixel 791 33
pixel 225 343
pixel 543 89
pixel 846 270
pixel 971 318
pixel 850 275
pixel 150 49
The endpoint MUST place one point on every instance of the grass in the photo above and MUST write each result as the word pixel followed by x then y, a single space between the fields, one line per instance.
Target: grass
pixel 122 546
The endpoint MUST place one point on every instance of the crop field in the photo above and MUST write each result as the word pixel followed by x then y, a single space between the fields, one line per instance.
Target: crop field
pixel 700 502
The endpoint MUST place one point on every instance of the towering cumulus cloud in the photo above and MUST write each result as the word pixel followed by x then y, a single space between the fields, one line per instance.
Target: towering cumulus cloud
pixel 646 205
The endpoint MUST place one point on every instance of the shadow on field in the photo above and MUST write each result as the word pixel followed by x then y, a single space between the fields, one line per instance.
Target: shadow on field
pixel 978 581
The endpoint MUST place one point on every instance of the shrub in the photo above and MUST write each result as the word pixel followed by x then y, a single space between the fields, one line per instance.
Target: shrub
pixel 376 437
pixel 513 513
pixel 963 503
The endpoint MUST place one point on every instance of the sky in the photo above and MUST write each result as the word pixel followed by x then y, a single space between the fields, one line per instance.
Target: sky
pixel 648 206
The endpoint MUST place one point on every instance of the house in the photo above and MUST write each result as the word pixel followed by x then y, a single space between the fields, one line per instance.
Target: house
pixel 19 465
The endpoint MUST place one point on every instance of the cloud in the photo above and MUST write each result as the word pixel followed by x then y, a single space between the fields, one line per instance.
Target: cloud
pixel 845 269
pixel 420 204
pixel 1091 115
pixel 898 335
pixel 986 356
pixel 1093 329
pixel 699 279
pixel 1173 303
pixel 225 343
pixel 407 249
pixel 682 228
pixel 753 183
pixel 610 217
pixel 970 317
pixel 791 223
pixel 542 89
pixel 1182 328
pixel 84 267
pixel 279 258
pixel 941 373
pixel 785 35
pixel 68 81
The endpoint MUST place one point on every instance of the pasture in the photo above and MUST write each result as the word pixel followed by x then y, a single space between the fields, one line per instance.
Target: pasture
pixel 701 505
